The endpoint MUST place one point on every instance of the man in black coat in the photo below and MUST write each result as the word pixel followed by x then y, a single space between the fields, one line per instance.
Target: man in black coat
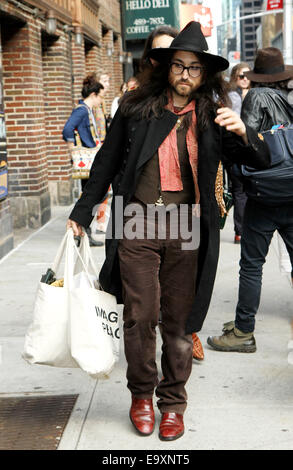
pixel 161 155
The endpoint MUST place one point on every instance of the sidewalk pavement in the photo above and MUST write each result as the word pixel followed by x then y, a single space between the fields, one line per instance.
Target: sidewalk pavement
pixel 236 401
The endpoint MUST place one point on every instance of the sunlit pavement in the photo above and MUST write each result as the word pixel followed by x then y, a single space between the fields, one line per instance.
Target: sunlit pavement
pixel 236 401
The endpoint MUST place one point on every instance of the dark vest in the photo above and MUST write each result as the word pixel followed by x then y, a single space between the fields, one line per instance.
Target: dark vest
pixel 148 188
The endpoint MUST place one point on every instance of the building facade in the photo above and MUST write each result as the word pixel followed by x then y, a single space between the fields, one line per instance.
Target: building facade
pixel 249 29
pixel 46 49
pixel 239 35
pixel 271 32
pixel 227 32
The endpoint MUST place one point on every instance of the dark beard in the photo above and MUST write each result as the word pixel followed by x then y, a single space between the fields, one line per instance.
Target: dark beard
pixel 182 93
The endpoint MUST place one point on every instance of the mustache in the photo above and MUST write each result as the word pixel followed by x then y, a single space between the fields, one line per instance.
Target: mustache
pixel 184 82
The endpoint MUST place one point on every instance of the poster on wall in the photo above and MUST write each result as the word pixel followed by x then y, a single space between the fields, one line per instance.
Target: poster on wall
pixel 3 148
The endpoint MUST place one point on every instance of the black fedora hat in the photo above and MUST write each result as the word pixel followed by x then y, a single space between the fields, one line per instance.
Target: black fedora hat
pixel 190 39
pixel 269 67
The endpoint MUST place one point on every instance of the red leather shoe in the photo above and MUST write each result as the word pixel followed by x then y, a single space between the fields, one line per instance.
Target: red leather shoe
pixel 197 350
pixel 171 427
pixel 142 415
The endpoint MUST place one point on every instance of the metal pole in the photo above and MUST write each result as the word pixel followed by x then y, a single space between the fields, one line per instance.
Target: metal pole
pixel 287 34
pixel 255 15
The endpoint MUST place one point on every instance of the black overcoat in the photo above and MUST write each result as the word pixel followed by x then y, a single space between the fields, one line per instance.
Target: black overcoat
pixel 129 144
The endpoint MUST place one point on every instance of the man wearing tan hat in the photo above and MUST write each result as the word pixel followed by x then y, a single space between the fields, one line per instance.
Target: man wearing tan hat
pixel 264 106
pixel 162 152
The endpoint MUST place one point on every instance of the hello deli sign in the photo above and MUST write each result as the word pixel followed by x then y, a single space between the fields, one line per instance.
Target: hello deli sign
pixel 140 17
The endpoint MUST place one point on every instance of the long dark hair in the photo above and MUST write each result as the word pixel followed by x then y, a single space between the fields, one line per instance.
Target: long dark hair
pixel 234 73
pixel 159 31
pixel 150 99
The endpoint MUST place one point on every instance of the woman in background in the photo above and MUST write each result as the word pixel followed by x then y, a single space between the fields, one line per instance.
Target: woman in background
pixel 81 128
pixel 116 100
pixel 239 86
pixel 159 37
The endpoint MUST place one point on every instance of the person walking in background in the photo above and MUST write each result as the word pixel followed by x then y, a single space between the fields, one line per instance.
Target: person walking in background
pixel 81 129
pixel 162 36
pixel 117 99
pixel 264 106
pixel 170 121
pixel 100 110
pixel 132 83
pixel 239 80
pixel 239 86
pixel 103 122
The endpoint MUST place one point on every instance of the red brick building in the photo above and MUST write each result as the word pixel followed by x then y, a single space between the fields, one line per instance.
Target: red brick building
pixel 47 48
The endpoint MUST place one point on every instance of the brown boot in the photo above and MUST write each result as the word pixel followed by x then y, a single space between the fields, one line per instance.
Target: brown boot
pixel 233 340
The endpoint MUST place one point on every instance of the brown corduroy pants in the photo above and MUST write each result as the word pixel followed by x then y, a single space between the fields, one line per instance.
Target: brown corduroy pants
pixel 157 275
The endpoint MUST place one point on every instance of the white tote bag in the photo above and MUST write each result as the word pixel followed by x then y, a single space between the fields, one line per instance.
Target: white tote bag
pixel 47 340
pixel 76 325
pixel 94 335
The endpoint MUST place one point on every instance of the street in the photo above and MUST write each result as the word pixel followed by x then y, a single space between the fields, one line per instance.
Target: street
pixel 236 401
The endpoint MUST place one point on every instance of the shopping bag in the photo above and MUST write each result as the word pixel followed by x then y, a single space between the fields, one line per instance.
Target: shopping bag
pixel 46 340
pixel 76 325
pixel 94 334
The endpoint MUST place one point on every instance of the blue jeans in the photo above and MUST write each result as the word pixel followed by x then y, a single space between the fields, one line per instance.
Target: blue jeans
pixel 259 224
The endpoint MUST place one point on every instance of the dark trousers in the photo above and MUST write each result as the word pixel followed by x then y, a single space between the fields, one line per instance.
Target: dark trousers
pixel 239 200
pixel 157 275
pixel 259 224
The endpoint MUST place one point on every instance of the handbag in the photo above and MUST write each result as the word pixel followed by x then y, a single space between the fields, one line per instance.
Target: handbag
pixel 83 157
pixel 76 325
pixel 273 185
pixel 82 160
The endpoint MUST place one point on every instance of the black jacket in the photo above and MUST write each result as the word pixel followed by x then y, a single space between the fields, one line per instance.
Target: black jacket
pixel 129 144
pixel 263 107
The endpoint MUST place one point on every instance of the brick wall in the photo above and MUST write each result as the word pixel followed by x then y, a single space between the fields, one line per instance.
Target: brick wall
pixel 110 16
pixel 42 81
pixel 78 68
pixel 58 101
pixel 92 58
pixel 108 66
pixel 24 110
